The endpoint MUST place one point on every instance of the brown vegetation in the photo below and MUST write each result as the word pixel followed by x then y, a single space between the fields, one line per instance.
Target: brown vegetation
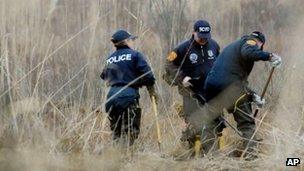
pixel 51 96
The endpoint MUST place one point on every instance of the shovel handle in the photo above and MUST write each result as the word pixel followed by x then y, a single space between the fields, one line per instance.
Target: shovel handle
pixel 265 89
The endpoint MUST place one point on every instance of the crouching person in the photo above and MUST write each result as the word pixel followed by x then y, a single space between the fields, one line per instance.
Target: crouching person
pixel 125 71
pixel 226 87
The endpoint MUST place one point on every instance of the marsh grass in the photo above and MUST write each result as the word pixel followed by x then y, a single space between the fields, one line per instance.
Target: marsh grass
pixel 51 96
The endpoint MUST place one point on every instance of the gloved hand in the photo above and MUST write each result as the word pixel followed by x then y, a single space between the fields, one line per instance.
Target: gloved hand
pixel 186 82
pixel 275 60
pixel 152 93
pixel 258 100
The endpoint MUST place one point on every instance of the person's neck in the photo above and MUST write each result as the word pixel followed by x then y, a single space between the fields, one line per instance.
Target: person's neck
pixel 122 47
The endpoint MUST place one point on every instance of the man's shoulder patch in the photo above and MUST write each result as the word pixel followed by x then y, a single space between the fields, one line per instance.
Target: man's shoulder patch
pixel 251 42
pixel 172 56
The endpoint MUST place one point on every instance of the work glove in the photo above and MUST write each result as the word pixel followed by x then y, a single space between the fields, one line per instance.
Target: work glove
pixel 186 82
pixel 152 93
pixel 258 101
pixel 275 60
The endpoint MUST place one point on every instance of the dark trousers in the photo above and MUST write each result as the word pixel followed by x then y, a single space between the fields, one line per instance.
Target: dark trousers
pixel 190 106
pixel 125 122
pixel 237 101
pixel 243 115
pixel 193 106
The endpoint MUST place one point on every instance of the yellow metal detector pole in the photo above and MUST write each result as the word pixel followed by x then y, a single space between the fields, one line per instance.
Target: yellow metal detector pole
pixel 221 142
pixel 197 146
pixel 157 123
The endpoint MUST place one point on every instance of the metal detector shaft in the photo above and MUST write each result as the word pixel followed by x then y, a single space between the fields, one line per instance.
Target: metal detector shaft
pixel 157 123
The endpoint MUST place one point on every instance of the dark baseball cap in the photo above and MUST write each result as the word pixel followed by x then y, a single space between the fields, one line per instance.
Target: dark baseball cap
pixel 121 35
pixel 203 28
pixel 258 35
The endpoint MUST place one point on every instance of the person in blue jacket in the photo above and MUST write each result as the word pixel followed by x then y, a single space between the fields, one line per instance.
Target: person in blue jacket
pixel 126 70
pixel 187 66
pixel 226 85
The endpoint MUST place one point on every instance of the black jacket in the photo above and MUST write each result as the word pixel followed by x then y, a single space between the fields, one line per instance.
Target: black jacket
pixel 234 64
pixel 193 60
pixel 124 66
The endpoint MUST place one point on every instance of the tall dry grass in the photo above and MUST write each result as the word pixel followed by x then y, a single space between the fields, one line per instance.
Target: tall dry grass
pixel 51 97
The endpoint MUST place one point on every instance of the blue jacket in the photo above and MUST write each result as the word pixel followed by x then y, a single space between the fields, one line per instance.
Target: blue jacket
pixel 191 59
pixel 120 97
pixel 126 65
pixel 123 67
pixel 234 64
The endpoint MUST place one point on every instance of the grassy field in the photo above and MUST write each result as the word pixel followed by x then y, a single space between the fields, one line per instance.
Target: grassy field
pixel 52 99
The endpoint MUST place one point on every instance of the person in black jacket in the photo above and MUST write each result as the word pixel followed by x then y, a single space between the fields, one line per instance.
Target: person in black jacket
pixel 187 66
pixel 226 85
pixel 125 71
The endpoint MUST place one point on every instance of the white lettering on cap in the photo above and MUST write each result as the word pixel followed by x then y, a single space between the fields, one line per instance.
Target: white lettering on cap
pixel 254 34
pixel 204 29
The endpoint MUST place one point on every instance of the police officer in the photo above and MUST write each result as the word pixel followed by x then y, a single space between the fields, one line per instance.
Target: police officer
pixel 226 84
pixel 126 70
pixel 187 66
